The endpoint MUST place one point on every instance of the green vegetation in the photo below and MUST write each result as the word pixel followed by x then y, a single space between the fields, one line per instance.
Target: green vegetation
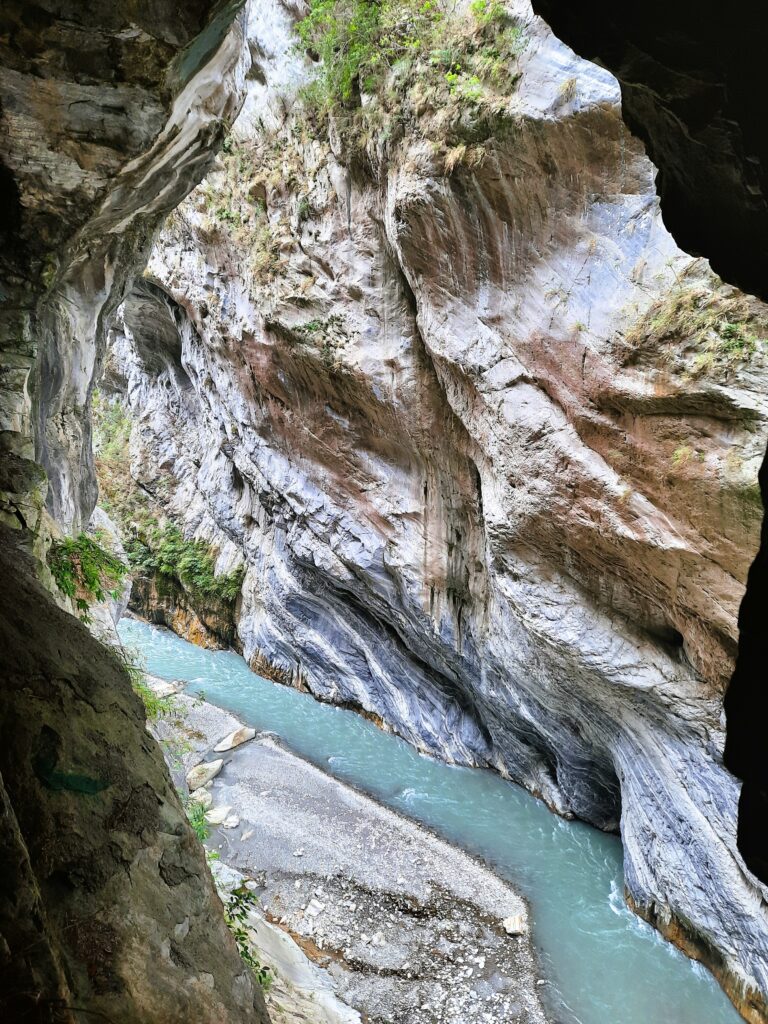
pixel 196 817
pixel 164 550
pixel 330 334
pixel 85 571
pixel 236 913
pixel 118 494
pixel 682 455
pixel 236 208
pixel 152 547
pixel 422 62
pixel 155 707
pixel 722 327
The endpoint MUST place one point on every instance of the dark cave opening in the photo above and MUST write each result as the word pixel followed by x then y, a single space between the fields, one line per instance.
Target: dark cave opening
pixel 746 708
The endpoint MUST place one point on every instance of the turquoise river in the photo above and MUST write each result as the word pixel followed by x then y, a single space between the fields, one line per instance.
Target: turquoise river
pixel 603 965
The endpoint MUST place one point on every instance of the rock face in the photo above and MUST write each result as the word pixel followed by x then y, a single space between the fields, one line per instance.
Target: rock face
pixel 494 479
pixel 106 124
pixel 110 114
pixel 163 601
pixel 694 99
pixel 107 902
pixel 697 104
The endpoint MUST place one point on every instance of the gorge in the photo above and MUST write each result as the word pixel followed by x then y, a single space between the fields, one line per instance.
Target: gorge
pixel 415 402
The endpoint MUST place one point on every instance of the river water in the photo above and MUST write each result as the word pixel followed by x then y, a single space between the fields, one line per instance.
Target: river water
pixel 602 964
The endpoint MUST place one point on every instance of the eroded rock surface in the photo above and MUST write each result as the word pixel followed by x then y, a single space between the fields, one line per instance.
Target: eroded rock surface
pixel 109 117
pixel 492 478
pixel 693 97
pixel 697 104
pixel 107 902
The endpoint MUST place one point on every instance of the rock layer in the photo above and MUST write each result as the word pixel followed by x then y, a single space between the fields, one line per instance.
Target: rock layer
pixel 457 413
pixel 697 104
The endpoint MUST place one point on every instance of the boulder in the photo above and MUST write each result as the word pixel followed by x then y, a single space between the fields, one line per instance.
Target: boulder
pixel 235 739
pixel 218 815
pixel 515 924
pixel 202 773
pixel 202 797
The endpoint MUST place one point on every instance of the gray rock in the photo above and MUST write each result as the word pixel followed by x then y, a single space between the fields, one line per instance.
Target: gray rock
pixel 536 557
pixel 217 815
pixel 201 796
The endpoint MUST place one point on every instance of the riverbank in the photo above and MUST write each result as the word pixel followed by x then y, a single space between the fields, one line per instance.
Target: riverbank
pixel 402 927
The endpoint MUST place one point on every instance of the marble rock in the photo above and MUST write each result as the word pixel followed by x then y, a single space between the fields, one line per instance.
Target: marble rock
pixel 217 815
pixel 478 493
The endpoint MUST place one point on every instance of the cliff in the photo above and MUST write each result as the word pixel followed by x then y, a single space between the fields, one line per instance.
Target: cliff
pixel 109 116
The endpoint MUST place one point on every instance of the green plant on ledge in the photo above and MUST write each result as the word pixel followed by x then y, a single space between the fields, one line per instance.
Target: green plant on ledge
pixel 720 328
pixel 196 817
pixel 165 550
pixel 84 571
pixel 155 706
pixel 415 57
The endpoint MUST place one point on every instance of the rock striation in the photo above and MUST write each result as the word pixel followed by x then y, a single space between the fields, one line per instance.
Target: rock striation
pixel 695 102
pixel 465 413
pixel 697 105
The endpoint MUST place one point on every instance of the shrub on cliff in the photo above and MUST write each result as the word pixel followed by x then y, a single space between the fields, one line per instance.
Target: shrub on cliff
pixel 415 59
pixel 84 571
pixel 165 550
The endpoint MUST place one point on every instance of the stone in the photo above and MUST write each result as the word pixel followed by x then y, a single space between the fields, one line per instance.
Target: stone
pixel 217 815
pixel 203 772
pixel 231 821
pixel 516 924
pixel 314 908
pixel 235 739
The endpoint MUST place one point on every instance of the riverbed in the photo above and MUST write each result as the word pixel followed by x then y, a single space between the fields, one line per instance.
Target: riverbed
pixel 601 963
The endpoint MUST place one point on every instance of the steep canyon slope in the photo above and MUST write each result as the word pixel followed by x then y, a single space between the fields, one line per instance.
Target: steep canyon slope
pixel 110 114
pixel 483 439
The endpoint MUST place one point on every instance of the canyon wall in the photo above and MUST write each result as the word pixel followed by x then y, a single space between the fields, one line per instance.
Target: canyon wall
pixel 484 440
pixel 110 114
pixel 693 94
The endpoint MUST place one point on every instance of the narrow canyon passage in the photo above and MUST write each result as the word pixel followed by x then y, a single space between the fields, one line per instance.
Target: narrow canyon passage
pixel 380 349
pixel 602 965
